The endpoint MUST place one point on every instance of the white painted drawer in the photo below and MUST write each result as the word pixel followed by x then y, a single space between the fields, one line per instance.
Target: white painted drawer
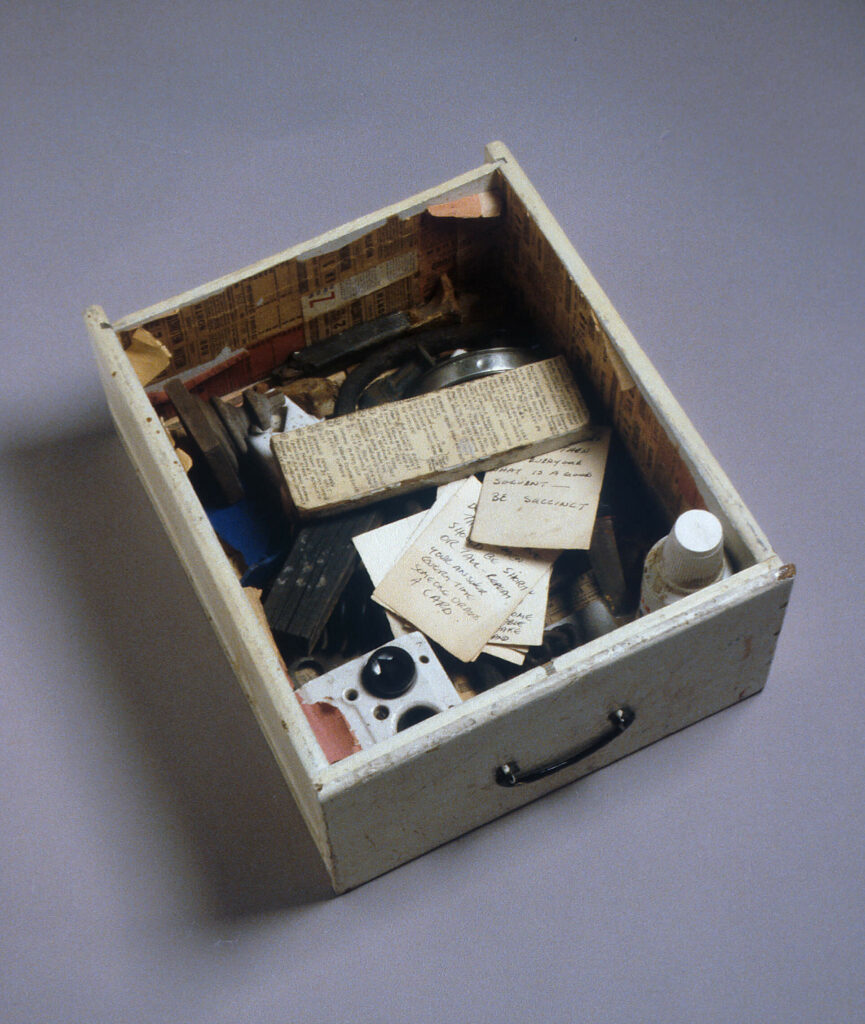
pixel 391 802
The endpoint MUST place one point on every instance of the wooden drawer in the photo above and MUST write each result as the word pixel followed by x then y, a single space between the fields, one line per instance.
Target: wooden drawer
pixel 388 803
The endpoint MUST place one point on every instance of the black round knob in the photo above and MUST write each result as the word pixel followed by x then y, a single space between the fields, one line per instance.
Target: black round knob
pixel 388 673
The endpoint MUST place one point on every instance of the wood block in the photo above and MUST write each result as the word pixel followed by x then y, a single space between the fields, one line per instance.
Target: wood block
pixel 313 577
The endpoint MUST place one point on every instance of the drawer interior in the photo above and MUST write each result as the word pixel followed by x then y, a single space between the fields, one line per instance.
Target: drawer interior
pixel 476 255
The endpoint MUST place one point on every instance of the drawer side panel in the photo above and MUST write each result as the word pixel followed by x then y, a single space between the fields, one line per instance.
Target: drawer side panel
pixel 251 656
pixel 555 283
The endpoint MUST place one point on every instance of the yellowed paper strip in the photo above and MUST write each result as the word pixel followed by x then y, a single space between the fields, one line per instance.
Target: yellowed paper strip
pixel 341 293
pixel 433 438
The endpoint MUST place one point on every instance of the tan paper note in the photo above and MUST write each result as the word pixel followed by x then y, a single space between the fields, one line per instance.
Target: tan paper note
pixel 549 501
pixel 455 592
pixel 523 627
pixel 380 548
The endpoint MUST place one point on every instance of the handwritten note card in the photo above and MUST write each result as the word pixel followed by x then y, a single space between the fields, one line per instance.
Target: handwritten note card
pixel 380 549
pixel 455 592
pixel 549 501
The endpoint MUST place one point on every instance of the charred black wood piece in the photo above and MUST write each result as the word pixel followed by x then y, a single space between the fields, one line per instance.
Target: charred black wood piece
pixel 313 577
pixel 211 444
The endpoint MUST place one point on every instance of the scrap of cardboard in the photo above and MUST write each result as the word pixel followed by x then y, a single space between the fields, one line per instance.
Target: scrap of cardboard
pixel 452 590
pixel 515 655
pixel 148 356
pixel 548 501
pixel 481 204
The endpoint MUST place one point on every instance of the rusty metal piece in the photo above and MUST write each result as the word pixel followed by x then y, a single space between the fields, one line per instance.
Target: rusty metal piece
pixel 315 395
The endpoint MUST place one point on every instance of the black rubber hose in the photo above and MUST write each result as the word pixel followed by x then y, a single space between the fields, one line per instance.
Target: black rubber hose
pixel 441 339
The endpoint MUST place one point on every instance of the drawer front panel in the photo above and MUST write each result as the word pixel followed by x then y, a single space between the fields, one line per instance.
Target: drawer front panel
pixel 401 810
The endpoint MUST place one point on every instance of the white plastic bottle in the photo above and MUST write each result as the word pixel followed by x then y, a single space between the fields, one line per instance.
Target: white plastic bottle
pixel 690 557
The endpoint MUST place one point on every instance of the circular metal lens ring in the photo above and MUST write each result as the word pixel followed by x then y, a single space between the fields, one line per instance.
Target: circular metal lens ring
pixel 472 366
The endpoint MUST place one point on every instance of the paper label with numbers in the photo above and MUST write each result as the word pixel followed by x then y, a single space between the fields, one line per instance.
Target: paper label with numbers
pixel 549 501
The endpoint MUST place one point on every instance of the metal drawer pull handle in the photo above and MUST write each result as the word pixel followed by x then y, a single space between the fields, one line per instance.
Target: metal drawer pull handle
pixel 510 774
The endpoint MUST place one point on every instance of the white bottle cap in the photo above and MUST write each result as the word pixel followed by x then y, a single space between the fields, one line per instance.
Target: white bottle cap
pixel 693 553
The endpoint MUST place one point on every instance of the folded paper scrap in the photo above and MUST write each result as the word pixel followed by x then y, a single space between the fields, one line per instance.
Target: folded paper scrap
pixel 456 592
pixel 434 438
pixel 149 357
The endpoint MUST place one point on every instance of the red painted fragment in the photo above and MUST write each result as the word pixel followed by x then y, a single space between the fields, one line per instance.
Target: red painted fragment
pixel 331 730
